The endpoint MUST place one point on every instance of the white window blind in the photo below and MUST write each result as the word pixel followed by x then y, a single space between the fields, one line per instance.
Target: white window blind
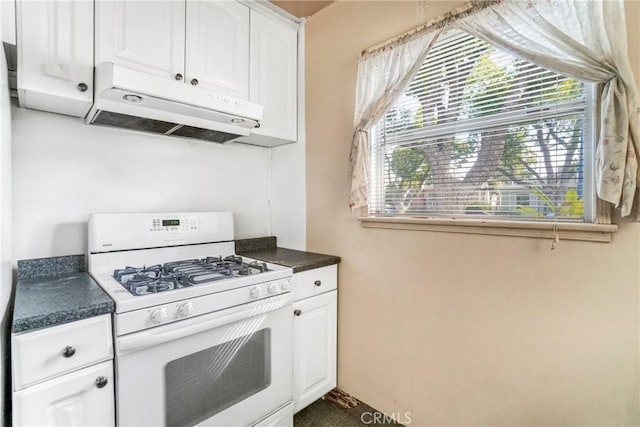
pixel 481 132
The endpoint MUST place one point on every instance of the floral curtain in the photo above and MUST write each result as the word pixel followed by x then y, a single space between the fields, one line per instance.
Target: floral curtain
pixel 585 40
pixel 382 77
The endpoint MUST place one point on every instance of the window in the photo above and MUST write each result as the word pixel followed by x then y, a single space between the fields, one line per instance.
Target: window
pixel 480 132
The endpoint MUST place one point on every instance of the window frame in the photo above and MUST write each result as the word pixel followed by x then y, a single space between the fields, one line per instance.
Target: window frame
pixel 501 119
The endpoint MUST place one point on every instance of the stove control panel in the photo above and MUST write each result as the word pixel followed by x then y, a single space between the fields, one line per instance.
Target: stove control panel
pixel 174 223
pixel 172 312
pixel 270 288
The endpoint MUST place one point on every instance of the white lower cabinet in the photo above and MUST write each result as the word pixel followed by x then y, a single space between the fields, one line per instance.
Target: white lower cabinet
pixel 63 375
pixel 314 346
pixel 81 398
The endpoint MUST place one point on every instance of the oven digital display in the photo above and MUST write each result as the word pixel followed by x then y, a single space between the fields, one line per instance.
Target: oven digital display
pixel 170 222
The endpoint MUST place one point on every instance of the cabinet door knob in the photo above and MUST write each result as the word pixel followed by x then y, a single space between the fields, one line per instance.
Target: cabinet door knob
pixel 317 283
pixel 297 312
pixel 194 82
pixel 82 87
pixel 178 76
pixel 101 381
pixel 68 351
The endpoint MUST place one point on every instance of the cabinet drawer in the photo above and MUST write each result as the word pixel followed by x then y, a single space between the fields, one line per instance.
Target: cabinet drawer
pixel 41 355
pixel 314 282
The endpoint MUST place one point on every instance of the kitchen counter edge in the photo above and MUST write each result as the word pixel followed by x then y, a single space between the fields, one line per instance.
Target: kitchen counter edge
pixel 297 260
pixel 43 301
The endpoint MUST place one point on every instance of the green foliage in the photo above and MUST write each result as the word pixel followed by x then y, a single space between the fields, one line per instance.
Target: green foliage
pixel 528 211
pixel 486 87
pixel 464 149
pixel 516 152
pixel 478 206
pixel 572 206
pixel 554 91
pixel 419 117
pixel 409 167
pixel 410 172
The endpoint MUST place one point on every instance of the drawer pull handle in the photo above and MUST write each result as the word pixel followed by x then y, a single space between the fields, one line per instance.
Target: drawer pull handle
pixel 317 283
pixel 68 351
pixel 297 312
pixel 101 381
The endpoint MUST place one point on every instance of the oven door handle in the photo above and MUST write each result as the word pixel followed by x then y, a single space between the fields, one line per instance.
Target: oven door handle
pixel 160 335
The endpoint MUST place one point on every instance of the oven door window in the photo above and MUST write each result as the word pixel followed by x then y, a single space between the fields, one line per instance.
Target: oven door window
pixel 202 384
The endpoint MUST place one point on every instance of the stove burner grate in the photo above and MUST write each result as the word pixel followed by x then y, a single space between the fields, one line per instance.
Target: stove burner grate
pixel 179 274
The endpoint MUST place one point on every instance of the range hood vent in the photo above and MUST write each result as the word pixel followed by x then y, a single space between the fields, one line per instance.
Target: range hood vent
pixel 119 120
pixel 134 100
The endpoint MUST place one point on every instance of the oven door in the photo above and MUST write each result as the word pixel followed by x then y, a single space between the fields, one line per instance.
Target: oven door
pixel 228 368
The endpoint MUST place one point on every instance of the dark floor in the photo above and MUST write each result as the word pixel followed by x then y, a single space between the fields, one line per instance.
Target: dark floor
pixel 322 413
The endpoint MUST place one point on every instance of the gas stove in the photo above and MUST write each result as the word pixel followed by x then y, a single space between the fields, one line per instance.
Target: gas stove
pixel 163 268
pixel 203 334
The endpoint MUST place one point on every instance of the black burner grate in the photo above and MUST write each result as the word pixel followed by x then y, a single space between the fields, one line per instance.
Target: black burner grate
pixel 185 273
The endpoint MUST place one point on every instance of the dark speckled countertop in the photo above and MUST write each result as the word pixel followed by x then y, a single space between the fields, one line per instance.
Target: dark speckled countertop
pixel 60 295
pixel 266 249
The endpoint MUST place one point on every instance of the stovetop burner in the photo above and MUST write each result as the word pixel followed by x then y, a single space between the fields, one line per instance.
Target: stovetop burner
pixel 180 274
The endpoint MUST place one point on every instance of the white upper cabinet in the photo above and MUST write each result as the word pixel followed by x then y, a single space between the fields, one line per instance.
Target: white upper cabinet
pixel 55 55
pixel 235 49
pixel 200 42
pixel 217 47
pixel 274 78
pixel 147 36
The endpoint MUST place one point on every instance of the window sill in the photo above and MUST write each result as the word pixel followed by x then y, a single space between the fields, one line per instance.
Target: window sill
pixel 540 230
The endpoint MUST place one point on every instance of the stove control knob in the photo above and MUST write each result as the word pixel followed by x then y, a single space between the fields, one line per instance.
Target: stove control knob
pixel 185 310
pixel 254 293
pixel 159 316
pixel 286 285
pixel 273 288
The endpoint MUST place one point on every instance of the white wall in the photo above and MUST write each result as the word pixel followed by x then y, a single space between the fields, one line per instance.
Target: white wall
pixel 288 176
pixel 463 330
pixel 288 201
pixel 63 170
pixel 7 21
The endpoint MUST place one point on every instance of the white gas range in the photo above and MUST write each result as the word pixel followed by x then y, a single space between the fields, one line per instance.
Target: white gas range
pixel 203 337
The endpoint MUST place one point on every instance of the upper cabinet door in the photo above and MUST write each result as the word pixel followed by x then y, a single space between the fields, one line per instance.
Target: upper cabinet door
pixel 217 48
pixel 274 76
pixel 55 55
pixel 143 35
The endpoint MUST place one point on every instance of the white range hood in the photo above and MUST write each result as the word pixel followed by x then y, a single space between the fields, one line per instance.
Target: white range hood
pixel 135 100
